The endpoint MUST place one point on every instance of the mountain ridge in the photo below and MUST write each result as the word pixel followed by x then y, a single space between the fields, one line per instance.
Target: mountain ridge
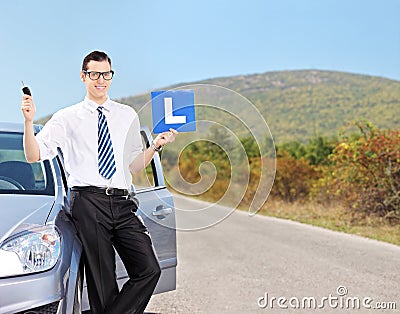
pixel 299 104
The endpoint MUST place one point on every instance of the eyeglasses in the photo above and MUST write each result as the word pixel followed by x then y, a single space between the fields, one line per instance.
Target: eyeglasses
pixel 96 75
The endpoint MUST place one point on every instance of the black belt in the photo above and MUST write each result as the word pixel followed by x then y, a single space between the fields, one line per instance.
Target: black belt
pixel 106 191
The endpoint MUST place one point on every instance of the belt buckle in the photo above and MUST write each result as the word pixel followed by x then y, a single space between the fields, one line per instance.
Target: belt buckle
pixel 109 193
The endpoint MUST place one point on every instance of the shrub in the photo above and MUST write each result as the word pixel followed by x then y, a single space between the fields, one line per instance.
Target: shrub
pixel 365 171
pixel 294 178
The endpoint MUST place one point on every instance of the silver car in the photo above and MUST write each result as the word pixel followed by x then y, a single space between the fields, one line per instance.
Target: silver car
pixel 41 269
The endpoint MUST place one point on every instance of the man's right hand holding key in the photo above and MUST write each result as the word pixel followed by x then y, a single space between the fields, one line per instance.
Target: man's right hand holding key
pixel 32 152
pixel 28 108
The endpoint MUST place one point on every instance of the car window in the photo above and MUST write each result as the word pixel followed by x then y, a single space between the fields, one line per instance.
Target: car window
pixel 17 176
pixel 145 178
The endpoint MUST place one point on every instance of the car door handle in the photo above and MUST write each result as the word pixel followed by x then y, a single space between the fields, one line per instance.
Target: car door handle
pixel 162 211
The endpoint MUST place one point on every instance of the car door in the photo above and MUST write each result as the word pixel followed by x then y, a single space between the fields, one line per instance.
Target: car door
pixel 156 208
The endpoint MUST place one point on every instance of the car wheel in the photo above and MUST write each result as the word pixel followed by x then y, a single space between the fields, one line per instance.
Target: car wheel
pixel 77 309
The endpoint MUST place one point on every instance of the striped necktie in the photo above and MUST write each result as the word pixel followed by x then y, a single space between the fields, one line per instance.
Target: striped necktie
pixel 105 150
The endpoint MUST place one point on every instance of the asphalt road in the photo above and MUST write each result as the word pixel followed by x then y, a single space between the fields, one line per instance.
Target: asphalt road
pixel 232 267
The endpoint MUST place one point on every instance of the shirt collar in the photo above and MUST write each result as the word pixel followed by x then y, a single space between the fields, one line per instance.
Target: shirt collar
pixel 92 106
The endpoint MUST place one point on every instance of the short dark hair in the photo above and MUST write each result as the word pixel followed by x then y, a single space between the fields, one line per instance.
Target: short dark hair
pixel 95 56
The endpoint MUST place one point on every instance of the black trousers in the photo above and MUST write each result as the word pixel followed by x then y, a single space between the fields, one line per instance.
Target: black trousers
pixel 104 223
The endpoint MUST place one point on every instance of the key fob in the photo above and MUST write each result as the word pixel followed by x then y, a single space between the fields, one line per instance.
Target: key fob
pixel 26 91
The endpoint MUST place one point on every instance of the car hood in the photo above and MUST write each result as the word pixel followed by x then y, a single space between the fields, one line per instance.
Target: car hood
pixel 18 212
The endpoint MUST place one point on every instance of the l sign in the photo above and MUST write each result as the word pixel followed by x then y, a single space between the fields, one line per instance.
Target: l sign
pixel 173 109
pixel 169 113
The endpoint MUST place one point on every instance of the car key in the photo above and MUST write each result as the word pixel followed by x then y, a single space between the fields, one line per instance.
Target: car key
pixel 25 89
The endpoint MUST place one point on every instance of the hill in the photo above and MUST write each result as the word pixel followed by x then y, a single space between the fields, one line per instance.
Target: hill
pixel 300 104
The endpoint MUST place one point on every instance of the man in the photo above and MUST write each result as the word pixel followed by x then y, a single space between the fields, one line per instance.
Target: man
pixel 100 140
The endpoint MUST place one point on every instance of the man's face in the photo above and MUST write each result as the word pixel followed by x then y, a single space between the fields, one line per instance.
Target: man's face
pixel 97 89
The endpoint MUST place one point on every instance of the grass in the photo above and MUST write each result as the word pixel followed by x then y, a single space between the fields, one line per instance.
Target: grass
pixel 334 217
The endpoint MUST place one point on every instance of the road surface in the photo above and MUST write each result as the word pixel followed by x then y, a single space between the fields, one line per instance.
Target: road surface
pixel 244 263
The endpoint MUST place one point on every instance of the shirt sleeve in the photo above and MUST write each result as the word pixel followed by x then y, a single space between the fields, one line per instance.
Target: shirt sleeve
pixel 133 143
pixel 136 145
pixel 52 136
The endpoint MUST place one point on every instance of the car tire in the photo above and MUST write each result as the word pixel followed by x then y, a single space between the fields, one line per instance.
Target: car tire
pixel 77 308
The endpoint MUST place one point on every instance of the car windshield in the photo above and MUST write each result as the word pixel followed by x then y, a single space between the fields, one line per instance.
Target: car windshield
pixel 16 175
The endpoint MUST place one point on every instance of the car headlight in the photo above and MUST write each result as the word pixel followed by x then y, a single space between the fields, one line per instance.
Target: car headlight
pixel 35 250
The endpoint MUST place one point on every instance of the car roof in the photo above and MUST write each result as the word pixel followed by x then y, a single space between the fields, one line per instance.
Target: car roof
pixel 17 127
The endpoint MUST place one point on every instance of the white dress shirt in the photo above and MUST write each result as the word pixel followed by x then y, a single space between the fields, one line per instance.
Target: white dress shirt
pixel 74 130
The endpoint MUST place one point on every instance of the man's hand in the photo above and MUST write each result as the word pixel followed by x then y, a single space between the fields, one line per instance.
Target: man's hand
pixel 31 147
pixel 165 137
pixel 28 108
pixel 142 160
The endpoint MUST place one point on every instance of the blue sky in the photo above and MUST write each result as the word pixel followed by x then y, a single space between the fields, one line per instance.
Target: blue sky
pixel 158 43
